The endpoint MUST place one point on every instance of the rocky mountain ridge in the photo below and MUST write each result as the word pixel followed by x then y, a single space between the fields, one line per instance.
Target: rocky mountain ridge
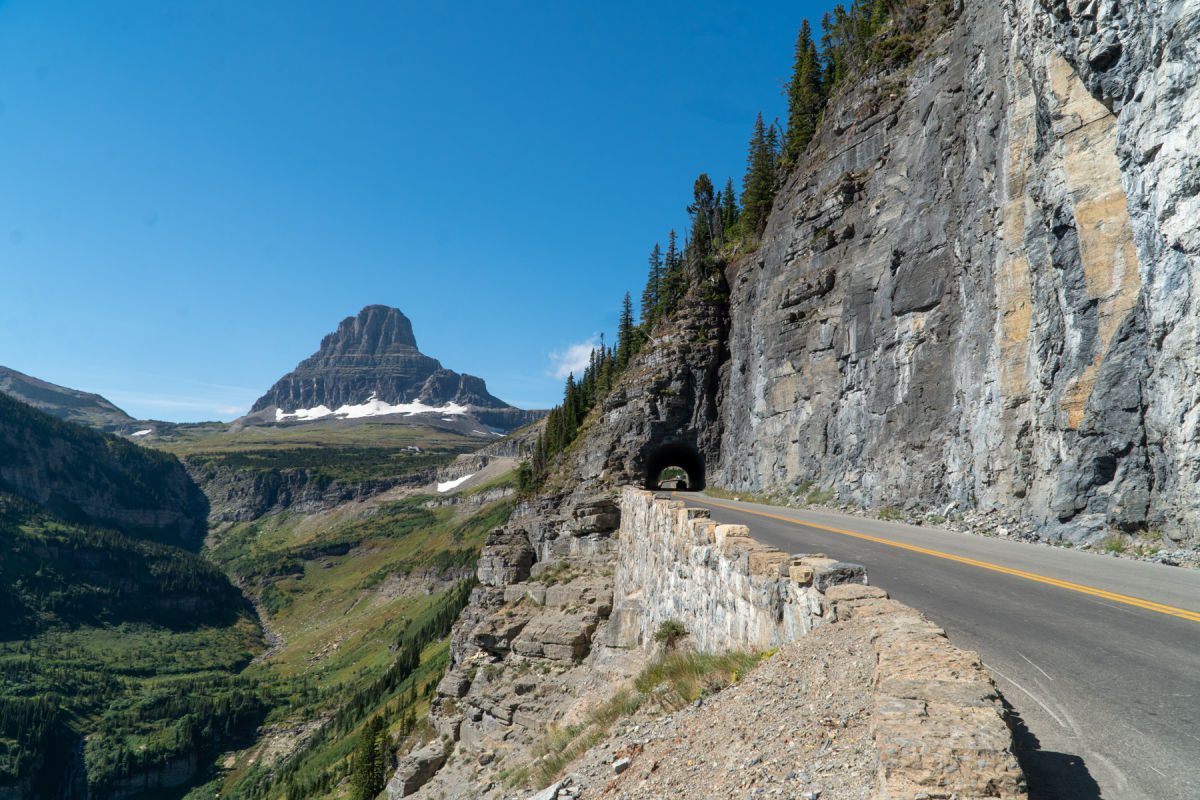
pixel 86 476
pixel 71 405
pixel 371 366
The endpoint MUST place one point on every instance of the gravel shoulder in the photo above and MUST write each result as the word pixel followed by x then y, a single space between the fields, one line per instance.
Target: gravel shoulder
pixel 796 726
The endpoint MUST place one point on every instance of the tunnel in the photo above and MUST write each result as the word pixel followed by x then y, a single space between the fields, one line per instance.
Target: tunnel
pixel 679 455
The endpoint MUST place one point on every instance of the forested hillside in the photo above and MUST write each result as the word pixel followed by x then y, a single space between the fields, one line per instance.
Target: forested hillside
pixel 119 648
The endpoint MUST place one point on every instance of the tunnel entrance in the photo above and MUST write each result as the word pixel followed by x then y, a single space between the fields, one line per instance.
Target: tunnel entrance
pixel 675 466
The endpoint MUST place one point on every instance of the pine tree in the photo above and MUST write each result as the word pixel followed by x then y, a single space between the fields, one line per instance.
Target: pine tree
pixel 367 779
pixel 775 141
pixel 805 97
pixel 674 284
pixel 625 334
pixel 570 413
pixel 759 184
pixel 729 206
pixel 703 212
pixel 651 294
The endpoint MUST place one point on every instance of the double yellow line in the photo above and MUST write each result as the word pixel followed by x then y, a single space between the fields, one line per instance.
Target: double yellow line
pixel 1138 602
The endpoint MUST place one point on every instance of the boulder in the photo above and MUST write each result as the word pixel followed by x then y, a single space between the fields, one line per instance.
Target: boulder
pixel 506 557
pixel 415 770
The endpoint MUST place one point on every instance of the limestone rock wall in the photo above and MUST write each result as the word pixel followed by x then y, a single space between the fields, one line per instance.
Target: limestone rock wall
pixel 729 591
pixel 977 290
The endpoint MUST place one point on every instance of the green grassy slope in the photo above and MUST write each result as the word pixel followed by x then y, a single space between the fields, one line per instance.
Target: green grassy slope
pixel 347 450
pixel 360 599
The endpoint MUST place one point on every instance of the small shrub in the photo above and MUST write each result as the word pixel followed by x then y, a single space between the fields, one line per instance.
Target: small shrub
pixel 670 632
pixel 890 513
pixel 1114 543
pixel 818 498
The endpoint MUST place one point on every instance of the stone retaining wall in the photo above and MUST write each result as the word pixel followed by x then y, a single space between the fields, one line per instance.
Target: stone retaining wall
pixel 729 591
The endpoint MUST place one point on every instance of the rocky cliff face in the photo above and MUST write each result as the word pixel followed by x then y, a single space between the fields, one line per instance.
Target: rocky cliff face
pixel 240 495
pixel 374 354
pixel 977 292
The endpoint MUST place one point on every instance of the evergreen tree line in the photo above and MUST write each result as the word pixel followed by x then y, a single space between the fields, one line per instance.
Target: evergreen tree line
pixel 605 365
pixel 31 723
pixel 850 40
pixel 205 715
pixel 372 760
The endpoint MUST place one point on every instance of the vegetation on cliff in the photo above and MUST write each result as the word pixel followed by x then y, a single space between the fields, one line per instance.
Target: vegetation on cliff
pixel 87 477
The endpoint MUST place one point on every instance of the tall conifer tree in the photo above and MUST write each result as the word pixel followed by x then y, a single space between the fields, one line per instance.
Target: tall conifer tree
pixel 625 333
pixel 703 212
pixel 805 97
pixel 653 290
pixel 759 183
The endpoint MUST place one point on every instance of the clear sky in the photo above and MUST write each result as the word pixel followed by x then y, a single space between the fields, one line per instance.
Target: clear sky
pixel 195 192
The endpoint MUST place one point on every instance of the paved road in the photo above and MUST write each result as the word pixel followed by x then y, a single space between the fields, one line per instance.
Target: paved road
pixel 1099 656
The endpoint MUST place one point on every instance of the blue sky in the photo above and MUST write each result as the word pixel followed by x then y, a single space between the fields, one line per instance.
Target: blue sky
pixel 195 193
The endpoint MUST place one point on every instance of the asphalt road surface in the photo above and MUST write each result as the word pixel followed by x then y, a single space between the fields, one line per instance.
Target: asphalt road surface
pixel 1098 656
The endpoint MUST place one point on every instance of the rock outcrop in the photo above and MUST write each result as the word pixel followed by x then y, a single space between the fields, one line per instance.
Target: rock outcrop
pixel 239 495
pixel 977 291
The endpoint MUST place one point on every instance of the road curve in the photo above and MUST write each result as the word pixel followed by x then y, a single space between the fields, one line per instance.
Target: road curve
pixel 1099 656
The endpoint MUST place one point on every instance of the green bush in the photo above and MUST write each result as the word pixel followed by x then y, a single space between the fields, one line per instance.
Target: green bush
pixel 670 632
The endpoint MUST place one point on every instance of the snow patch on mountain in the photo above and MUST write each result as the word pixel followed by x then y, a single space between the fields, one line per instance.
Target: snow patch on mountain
pixel 454 484
pixel 373 407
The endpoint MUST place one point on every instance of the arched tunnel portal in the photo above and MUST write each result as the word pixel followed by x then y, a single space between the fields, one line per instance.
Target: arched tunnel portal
pixel 674 454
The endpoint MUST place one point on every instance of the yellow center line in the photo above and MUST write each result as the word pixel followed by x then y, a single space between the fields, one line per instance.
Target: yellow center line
pixel 1149 605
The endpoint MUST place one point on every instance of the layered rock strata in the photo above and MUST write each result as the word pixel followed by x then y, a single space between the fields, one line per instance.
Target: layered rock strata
pixel 544 640
pixel 976 291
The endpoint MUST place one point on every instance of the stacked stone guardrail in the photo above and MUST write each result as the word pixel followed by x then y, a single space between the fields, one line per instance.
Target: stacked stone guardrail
pixel 729 591
pixel 938 720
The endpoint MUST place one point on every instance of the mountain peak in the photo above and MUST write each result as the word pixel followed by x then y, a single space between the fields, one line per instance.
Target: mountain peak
pixel 371 361
pixel 376 330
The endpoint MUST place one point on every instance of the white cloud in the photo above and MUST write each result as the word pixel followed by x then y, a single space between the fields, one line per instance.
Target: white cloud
pixel 573 359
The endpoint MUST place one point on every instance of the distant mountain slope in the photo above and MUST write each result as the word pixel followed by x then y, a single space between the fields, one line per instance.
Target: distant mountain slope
pixel 88 477
pixel 120 645
pixel 72 405
pixel 370 366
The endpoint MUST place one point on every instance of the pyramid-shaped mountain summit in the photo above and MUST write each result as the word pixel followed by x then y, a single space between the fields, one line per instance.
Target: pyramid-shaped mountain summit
pixel 370 366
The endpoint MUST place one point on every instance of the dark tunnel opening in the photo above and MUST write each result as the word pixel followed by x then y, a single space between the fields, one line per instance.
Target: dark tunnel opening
pixel 681 456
